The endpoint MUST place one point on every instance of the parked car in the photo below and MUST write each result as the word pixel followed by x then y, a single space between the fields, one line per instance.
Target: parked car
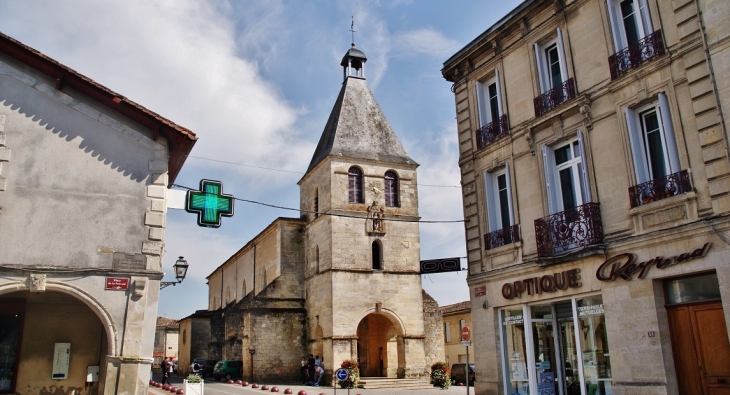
pixel 227 370
pixel 203 367
pixel 458 373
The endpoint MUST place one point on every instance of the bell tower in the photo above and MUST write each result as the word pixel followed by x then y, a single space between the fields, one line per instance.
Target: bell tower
pixel 362 247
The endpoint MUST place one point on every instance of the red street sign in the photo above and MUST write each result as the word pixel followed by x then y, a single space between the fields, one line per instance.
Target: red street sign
pixel 465 333
pixel 117 283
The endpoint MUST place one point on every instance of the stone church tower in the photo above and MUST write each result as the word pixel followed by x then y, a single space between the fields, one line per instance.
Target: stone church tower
pixel 363 294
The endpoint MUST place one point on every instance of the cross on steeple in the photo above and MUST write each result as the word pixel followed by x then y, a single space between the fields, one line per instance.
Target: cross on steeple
pixel 352 29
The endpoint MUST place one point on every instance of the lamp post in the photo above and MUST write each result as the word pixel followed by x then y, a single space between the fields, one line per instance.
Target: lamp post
pixel 181 269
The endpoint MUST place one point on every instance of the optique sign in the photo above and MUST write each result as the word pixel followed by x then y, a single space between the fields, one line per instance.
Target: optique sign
pixel 547 283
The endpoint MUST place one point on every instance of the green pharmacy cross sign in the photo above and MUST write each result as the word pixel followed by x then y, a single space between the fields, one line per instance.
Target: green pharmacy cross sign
pixel 210 203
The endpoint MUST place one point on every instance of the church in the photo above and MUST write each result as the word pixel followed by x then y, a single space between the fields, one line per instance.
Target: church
pixel 342 281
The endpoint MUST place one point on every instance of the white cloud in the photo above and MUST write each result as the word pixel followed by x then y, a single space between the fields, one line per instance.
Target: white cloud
pixel 425 41
pixel 177 58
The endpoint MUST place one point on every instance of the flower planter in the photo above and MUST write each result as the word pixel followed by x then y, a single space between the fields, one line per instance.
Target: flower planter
pixel 193 388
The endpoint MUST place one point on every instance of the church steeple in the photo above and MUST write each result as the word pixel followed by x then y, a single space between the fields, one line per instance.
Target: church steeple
pixel 353 63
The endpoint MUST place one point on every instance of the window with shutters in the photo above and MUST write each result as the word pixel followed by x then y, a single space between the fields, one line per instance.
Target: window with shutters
pixel 655 155
pixel 492 120
pixel 556 86
pixel 447 332
pixel 500 212
pixel 574 221
pixel 634 38
pixel 391 189
pixel 355 186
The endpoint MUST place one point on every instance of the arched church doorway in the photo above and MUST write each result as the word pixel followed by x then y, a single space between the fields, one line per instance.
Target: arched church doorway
pixel 380 348
pixel 36 326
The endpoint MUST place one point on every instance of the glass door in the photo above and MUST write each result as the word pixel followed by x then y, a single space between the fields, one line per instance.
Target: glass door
pixel 546 351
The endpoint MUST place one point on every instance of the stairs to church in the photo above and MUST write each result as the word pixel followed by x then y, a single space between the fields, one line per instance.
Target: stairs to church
pixel 401 384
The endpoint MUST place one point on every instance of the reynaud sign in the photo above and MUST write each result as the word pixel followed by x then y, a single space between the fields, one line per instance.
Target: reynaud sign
pixel 625 266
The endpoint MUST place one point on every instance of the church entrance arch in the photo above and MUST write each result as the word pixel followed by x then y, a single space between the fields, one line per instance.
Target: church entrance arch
pixel 380 347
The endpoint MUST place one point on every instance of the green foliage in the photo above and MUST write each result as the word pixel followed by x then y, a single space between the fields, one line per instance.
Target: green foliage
pixel 194 379
pixel 440 375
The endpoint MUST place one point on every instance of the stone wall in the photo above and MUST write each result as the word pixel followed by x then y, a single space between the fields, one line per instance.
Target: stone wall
pixel 433 328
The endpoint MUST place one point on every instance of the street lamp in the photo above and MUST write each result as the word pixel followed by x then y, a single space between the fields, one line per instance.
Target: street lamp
pixel 181 269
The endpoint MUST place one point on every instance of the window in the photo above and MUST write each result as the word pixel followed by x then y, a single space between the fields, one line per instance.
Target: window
pixel 462 324
pixel 653 145
pixel 566 176
pixel 316 203
pixel 391 189
pixel 489 100
pixel 355 186
pixel 316 259
pixel 377 255
pixel 551 65
pixel 500 213
pixel 630 22
pixel 447 332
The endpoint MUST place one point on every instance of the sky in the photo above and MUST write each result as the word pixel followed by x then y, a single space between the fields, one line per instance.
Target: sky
pixel 256 81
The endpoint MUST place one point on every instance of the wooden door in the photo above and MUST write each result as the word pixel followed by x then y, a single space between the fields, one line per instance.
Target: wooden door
pixel 701 348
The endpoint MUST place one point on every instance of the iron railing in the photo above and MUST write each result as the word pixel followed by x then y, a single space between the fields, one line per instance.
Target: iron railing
pixel 569 230
pixel 498 238
pixel 552 98
pixel 661 188
pixel 492 132
pixel 633 56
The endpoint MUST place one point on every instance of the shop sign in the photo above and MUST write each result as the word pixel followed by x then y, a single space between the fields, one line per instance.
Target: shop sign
pixel 625 266
pixel 547 283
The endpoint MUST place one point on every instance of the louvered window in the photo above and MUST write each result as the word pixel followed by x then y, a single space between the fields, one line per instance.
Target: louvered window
pixel 355 186
pixel 391 189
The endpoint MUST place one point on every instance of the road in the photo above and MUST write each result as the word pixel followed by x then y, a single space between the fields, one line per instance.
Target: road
pixel 213 387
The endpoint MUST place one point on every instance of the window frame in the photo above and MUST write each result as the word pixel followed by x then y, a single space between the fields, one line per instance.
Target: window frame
pixel 484 100
pixel 544 81
pixel 391 193
pixel 493 200
pixel 579 171
pixel 447 332
pixel 637 141
pixel 355 185
pixel 643 22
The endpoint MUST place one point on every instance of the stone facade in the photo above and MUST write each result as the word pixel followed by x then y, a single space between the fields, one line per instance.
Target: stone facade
pixel 83 182
pixel 566 183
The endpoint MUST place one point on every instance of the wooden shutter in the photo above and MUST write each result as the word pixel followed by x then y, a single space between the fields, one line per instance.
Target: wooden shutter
pixel 641 168
pixel 669 138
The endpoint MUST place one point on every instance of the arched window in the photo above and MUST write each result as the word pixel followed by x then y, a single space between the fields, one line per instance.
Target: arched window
pixel 377 255
pixel 391 189
pixel 355 186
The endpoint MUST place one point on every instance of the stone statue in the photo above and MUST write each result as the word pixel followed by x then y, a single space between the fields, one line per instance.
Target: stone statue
pixel 375 215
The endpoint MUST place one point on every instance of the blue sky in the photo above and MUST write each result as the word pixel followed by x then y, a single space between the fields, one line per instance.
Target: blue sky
pixel 256 81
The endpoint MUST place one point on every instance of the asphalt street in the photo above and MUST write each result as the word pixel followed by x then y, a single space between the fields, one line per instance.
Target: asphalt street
pixel 213 387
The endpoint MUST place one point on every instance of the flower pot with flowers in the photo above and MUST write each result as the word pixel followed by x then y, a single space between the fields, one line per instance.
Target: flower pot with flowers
pixel 440 375
pixel 354 371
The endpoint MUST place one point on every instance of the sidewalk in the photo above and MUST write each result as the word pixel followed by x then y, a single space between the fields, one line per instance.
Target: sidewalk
pixel 213 387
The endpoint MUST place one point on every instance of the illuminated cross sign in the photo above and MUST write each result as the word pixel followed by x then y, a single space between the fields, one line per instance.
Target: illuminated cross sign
pixel 210 203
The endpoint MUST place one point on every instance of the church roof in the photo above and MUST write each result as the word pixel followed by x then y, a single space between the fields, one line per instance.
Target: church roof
pixel 357 128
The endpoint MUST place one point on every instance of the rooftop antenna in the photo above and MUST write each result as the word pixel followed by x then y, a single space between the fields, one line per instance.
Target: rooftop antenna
pixel 352 29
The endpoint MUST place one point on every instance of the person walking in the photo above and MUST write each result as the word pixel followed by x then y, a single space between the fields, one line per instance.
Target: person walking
pixel 166 370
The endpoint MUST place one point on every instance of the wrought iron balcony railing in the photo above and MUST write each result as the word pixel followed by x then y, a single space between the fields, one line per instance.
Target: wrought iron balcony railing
pixel 661 188
pixel 646 49
pixel 502 237
pixel 492 132
pixel 569 230
pixel 552 98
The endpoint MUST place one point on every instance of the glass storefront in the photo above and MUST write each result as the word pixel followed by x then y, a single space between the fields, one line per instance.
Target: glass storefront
pixel 556 348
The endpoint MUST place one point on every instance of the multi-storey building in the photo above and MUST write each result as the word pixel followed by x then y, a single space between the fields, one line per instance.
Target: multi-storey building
pixel 596 191
pixel 456 317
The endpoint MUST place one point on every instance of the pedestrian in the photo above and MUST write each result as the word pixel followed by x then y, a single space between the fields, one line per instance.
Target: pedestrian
pixel 317 361
pixel 310 368
pixel 166 366
pixel 304 370
pixel 319 372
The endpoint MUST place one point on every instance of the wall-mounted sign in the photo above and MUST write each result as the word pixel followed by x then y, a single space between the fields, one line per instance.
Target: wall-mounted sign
pixel 442 265
pixel 61 359
pixel 480 291
pixel 209 203
pixel 625 266
pixel 116 283
pixel 547 283
pixel 124 261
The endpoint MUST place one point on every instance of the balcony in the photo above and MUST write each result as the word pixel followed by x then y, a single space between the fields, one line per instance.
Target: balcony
pixel 502 237
pixel 661 188
pixel 492 132
pixel 569 230
pixel 552 98
pixel 646 49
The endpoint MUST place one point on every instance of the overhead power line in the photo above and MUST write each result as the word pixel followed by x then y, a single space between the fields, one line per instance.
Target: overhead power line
pixel 320 213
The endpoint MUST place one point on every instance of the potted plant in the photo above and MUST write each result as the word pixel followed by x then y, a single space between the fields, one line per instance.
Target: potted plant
pixel 352 368
pixel 193 385
pixel 440 375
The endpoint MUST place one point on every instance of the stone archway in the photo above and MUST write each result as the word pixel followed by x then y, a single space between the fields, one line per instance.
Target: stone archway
pixel 318 347
pixel 380 347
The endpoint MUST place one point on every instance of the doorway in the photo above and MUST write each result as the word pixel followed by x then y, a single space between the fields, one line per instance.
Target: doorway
pixel 380 348
pixel 699 335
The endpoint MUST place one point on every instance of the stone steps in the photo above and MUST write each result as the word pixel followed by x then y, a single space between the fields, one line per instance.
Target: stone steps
pixel 401 384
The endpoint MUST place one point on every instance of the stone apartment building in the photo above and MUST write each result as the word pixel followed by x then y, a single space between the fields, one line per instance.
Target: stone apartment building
pixel 596 190
pixel 84 173
pixel 167 339
pixel 456 317
pixel 343 281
